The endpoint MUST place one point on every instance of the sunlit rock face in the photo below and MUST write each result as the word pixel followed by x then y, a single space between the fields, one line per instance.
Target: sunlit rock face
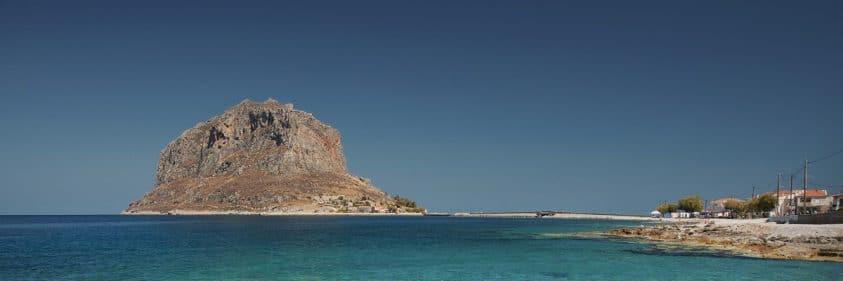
pixel 268 137
pixel 259 157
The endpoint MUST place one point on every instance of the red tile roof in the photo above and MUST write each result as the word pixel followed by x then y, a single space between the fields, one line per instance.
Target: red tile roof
pixel 781 193
pixel 816 193
pixel 798 192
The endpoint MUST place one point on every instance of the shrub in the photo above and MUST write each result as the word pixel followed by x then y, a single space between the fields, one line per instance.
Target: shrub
pixel 691 204
pixel 763 203
pixel 735 206
pixel 667 208
pixel 404 202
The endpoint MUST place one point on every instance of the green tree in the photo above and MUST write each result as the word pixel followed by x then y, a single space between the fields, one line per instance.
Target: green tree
pixel 735 206
pixel 763 203
pixel 691 204
pixel 667 208
pixel 405 204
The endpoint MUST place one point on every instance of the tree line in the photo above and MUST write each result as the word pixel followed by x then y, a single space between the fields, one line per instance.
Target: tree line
pixel 760 204
pixel 688 204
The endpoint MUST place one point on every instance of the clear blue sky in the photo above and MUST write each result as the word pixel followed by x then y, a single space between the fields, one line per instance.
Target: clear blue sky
pixel 461 105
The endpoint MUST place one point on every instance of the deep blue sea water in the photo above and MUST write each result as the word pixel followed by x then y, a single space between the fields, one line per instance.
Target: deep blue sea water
pixel 355 248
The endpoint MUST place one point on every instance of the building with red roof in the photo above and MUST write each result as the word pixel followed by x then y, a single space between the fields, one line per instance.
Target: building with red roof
pixel 803 201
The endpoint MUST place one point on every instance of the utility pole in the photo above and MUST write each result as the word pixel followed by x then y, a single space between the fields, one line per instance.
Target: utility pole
pixel 792 197
pixel 805 185
pixel 753 192
pixel 778 193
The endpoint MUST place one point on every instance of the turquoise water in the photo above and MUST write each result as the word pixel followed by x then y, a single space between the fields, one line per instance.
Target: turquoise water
pixel 355 248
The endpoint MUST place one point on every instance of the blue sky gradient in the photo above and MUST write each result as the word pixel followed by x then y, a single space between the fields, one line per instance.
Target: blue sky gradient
pixel 605 106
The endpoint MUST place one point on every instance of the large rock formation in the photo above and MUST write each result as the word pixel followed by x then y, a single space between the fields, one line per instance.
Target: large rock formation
pixel 261 158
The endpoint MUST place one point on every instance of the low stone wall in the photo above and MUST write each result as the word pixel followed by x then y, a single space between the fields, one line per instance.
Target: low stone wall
pixel 783 219
pixel 827 218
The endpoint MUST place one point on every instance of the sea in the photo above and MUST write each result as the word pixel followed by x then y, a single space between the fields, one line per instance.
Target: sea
pixel 359 248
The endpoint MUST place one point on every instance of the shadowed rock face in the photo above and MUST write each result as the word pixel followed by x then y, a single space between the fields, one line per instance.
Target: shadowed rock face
pixel 259 157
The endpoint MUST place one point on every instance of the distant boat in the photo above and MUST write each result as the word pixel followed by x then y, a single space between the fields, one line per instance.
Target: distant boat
pixel 437 214
pixel 545 214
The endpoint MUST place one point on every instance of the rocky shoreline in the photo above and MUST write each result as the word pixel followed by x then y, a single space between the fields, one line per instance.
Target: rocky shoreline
pixel 753 238
pixel 556 216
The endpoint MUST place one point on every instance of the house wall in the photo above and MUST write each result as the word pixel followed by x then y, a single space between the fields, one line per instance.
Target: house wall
pixel 821 203
pixel 816 201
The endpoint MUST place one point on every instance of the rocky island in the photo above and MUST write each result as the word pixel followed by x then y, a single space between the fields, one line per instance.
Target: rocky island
pixel 261 158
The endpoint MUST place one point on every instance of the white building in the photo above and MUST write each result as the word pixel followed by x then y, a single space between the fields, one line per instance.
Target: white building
pixel 807 201
pixel 837 202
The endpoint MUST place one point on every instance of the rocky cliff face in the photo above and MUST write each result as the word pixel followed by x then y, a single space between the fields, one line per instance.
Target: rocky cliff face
pixel 264 158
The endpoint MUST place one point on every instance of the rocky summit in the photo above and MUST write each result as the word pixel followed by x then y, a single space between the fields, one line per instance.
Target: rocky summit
pixel 261 158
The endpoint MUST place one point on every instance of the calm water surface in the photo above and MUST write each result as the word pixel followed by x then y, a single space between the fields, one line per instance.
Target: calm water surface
pixel 355 248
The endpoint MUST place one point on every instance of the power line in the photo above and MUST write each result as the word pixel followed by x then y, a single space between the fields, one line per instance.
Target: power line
pixel 826 157
pixel 796 171
pixel 825 185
